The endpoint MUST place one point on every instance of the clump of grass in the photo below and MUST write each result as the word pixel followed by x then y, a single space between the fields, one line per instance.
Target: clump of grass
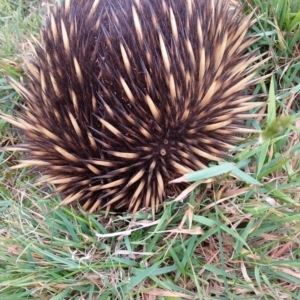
pixel 237 237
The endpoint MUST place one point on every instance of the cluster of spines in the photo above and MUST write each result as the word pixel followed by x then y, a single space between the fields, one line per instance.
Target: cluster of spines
pixel 124 96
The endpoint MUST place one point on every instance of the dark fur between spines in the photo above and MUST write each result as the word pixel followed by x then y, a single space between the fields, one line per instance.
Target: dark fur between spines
pixel 124 96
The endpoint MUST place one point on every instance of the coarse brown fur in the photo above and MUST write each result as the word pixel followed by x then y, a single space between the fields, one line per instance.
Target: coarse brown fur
pixel 125 95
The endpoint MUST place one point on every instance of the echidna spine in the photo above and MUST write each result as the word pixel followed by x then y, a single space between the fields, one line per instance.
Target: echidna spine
pixel 125 95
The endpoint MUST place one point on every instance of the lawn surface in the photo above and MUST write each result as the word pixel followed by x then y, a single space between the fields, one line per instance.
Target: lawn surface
pixel 238 238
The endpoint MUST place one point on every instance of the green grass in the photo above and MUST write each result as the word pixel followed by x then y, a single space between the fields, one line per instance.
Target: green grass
pixel 231 240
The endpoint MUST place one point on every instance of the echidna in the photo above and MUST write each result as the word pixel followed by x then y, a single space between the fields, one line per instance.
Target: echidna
pixel 123 96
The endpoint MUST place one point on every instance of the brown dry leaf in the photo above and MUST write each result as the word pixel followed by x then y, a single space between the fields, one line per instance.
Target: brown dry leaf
pixel 16 250
pixel 245 274
pixel 187 215
pixel 141 224
pixel 296 274
pixel 236 192
pixel 187 191
pixel 248 279
pixel 162 293
pixel 250 255
pixel 283 250
pixel 195 230
pixel 13 249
